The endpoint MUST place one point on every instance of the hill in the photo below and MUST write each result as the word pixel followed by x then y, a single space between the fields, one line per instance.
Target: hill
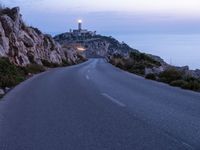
pixel 123 56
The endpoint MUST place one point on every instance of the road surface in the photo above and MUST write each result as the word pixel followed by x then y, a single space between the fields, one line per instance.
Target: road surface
pixel 95 106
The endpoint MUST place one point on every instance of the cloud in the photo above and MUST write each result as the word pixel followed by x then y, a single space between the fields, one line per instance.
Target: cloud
pixel 55 16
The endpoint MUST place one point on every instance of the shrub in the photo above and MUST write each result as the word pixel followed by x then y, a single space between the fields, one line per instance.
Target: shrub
pixel 117 62
pixel 192 85
pixel 49 64
pixel 170 75
pixel 81 59
pixel 36 30
pixel 151 76
pixel 10 75
pixel 138 69
pixel 136 63
pixel 142 57
pixel 33 69
pixel 179 83
pixel 65 63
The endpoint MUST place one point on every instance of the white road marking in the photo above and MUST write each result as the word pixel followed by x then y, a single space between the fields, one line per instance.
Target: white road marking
pixel 113 100
pixel 87 77
pixel 1 118
pixel 188 146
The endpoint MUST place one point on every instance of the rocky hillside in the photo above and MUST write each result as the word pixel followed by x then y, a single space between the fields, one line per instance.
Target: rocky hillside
pixel 96 46
pixel 120 54
pixel 25 45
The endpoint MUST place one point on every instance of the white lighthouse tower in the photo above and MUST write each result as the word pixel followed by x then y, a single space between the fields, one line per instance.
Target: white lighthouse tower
pixel 80 24
pixel 80 32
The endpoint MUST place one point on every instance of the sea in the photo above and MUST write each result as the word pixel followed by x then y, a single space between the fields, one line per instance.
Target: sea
pixel 175 49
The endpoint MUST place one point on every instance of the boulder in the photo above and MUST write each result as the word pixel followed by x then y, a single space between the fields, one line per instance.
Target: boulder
pixel 2 92
pixel 154 70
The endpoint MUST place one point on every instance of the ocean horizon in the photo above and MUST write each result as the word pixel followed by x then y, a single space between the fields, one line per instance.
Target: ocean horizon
pixel 175 49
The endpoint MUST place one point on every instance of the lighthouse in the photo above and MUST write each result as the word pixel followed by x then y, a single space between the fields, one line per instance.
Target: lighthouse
pixel 79 25
pixel 80 32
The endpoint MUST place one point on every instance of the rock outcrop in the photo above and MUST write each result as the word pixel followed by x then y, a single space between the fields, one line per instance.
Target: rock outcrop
pixel 24 45
pixel 95 46
pixel 188 72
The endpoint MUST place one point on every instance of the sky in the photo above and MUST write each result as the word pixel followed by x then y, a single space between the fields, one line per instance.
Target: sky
pixel 112 16
pixel 131 21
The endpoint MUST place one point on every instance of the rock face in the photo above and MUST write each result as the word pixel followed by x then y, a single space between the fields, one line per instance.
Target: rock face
pixel 24 45
pixel 2 92
pixel 154 70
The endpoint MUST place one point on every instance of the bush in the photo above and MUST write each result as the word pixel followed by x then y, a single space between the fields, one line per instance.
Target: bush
pixel 33 69
pixel 136 63
pixel 151 76
pixel 10 75
pixel 192 85
pixel 170 75
pixel 65 63
pixel 138 69
pixel 179 83
pixel 142 57
pixel 49 64
pixel 81 59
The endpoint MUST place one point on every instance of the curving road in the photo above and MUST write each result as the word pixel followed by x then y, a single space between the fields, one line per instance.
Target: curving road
pixel 95 106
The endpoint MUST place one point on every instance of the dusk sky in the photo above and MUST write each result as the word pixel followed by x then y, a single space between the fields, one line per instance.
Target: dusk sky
pixel 164 28
pixel 113 16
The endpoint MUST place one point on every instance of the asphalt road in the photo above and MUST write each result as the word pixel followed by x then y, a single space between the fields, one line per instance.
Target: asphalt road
pixel 95 106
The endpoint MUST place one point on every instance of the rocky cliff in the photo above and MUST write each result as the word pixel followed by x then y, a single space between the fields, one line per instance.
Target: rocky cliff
pixel 24 45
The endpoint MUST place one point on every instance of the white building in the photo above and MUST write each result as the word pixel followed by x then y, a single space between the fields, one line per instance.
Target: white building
pixel 82 32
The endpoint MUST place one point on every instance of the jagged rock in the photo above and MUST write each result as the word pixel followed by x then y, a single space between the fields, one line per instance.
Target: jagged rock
pixel 71 54
pixel 183 69
pixel 24 45
pixel 7 24
pixel 154 70
pixel 7 89
pixel 26 39
pixel 4 42
pixel 193 73
pixel 2 92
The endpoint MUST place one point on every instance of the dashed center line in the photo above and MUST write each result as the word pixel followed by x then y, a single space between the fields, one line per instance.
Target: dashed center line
pixel 87 77
pixel 113 100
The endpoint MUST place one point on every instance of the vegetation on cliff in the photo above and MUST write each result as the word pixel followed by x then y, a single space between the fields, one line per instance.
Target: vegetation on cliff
pixel 11 75
pixel 178 78
pixel 138 62
pixel 135 63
